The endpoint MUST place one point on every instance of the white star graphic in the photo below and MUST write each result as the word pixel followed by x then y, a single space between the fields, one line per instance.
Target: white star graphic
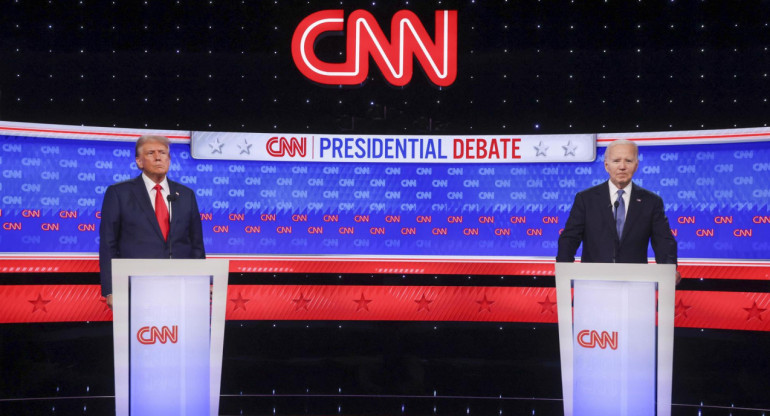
pixel 541 149
pixel 246 148
pixel 216 147
pixel 569 149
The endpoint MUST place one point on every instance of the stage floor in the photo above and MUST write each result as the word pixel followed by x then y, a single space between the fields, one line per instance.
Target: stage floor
pixel 375 368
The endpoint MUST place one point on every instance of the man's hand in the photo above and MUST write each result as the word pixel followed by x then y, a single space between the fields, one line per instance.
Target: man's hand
pixel 109 301
pixel 678 277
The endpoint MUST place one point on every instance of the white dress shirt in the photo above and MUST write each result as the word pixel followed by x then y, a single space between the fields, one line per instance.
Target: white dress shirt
pixel 150 185
pixel 626 195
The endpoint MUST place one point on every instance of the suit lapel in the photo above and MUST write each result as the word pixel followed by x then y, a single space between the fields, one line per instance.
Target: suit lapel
pixel 141 195
pixel 173 190
pixel 607 213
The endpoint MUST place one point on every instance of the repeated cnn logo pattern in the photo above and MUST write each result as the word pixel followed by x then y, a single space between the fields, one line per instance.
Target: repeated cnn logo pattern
pixel 52 191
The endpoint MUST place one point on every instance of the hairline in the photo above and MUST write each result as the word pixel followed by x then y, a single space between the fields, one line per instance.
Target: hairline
pixel 148 138
pixel 620 142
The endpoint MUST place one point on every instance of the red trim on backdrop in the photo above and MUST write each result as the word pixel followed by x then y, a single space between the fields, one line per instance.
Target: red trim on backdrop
pixel 690 269
pixel 712 136
pixel 88 133
pixel 78 303
pixel 48 266
pixel 395 266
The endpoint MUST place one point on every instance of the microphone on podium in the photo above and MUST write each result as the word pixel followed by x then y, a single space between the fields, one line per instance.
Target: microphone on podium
pixel 614 246
pixel 171 198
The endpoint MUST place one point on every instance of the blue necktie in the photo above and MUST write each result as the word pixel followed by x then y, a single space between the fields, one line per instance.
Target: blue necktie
pixel 620 213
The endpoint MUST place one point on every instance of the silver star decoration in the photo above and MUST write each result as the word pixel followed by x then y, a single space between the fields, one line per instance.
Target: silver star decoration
pixel 541 149
pixel 216 147
pixel 569 149
pixel 246 148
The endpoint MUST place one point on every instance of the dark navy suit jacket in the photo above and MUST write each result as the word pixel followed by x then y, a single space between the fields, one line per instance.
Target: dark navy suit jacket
pixel 129 228
pixel 592 223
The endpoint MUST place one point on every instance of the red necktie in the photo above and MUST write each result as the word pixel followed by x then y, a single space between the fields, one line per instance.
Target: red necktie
pixel 161 212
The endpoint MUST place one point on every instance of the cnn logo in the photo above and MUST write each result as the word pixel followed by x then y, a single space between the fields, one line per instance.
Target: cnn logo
pixel 148 335
pixel 281 146
pixel 365 38
pixel 592 339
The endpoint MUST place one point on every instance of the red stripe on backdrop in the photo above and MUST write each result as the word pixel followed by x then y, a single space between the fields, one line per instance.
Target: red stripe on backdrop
pixel 725 310
pixel 730 270
pixel 79 303
pixel 52 303
pixel 391 303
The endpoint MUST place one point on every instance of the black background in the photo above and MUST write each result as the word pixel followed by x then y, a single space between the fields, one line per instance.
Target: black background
pixel 524 67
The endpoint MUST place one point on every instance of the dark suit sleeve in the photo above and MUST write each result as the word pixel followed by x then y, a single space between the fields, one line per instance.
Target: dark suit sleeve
pixel 109 233
pixel 572 235
pixel 196 231
pixel 662 241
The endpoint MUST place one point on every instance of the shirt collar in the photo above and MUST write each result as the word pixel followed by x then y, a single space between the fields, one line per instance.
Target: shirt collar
pixel 149 184
pixel 614 189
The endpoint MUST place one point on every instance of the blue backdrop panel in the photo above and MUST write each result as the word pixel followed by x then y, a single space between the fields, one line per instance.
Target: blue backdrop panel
pixel 716 198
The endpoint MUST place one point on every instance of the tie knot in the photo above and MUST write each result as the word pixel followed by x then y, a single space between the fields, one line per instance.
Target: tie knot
pixel 620 192
pixel 158 187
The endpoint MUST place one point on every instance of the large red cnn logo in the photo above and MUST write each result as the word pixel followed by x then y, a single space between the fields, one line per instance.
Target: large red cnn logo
pixel 365 38
pixel 281 146
pixel 592 339
pixel 151 334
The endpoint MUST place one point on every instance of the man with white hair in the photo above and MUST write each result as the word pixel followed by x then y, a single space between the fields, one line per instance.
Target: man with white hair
pixel 616 220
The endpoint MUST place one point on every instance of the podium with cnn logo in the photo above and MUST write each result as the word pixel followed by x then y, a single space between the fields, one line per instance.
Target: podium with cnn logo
pixel 615 360
pixel 168 328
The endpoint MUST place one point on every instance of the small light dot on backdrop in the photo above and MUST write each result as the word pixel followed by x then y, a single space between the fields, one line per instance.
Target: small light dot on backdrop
pixel 673 26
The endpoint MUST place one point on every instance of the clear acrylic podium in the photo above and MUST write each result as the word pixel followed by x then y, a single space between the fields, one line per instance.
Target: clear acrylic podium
pixel 615 360
pixel 168 329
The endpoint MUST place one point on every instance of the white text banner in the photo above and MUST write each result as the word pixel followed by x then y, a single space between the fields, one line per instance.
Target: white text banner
pixel 394 149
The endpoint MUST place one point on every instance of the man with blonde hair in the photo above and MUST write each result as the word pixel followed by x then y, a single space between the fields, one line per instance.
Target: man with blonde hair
pixel 150 216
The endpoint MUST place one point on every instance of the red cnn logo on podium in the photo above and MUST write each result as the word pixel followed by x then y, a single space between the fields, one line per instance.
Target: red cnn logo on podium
pixel 365 38
pixel 148 335
pixel 592 339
